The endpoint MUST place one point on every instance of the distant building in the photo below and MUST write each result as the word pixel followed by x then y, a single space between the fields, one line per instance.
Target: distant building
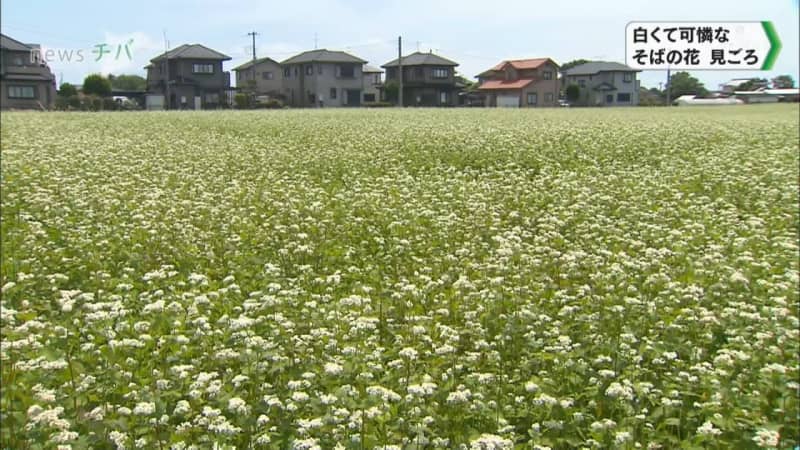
pixel 733 85
pixel 521 83
pixel 323 78
pixel 26 81
pixel 764 95
pixel 604 83
pixel 373 83
pixel 428 79
pixel 194 74
pixel 263 76
pixel 691 100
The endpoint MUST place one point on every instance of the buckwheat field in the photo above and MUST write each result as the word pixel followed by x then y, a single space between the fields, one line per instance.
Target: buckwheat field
pixel 385 279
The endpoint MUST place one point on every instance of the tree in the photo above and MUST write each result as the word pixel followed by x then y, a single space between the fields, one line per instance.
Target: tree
pixel 651 97
pixel 98 85
pixel 67 90
pixel 391 89
pixel 575 62
pixel 573 93
pixel 783 82
pixel 753 84
pixel 681 83
pixel 242 100
pixel 128 82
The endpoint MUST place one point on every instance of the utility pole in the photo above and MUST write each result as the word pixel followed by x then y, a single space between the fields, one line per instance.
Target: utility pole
pixel 400 69
pixel 669 89
pixel 166 71
pixel 254 34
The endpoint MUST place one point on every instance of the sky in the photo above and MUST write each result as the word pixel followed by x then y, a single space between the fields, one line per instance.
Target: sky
pixel 475 33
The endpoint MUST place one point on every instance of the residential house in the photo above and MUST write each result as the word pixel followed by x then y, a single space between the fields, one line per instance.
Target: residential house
pixel 263 76
pixel 428 79
pixel 521 83
pixel 192 75
pixel 604 84
pixel 26 81
pixel 372 83
pixel 318 78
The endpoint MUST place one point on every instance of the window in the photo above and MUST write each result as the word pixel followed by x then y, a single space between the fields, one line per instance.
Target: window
pixel 377 79
pixel 347 71
pixel 610 98
pixel 548 75
pixel 623 97
pixel 582 83
pixel 287 72
pixel 333 93
pixel 297 71
pixel 21 92
pixel 548 97
pixel 17 60
pixel 202 68
pixel 309 70
pixel 440 72
pixel 369 97
pixel 627 77
pixel 266 75
pixel 532 98
pixel 443 97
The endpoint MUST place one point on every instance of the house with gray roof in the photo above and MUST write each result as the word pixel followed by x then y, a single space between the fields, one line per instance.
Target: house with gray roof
pixel 192 75
pixel 263 76
pixel 26 82
pixel 428 79
pixel 604 83
pixel 323 78
pixel 373 83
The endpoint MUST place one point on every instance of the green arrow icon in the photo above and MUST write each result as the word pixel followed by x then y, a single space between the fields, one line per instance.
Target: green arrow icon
pixel 775 45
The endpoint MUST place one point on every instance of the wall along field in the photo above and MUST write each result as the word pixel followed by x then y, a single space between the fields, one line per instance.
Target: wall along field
pixel 390 279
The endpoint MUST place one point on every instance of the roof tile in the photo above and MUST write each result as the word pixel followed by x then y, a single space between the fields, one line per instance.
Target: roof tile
pixel 503 84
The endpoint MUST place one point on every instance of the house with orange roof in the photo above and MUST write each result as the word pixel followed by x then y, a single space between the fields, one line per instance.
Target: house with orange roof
pixel 521 83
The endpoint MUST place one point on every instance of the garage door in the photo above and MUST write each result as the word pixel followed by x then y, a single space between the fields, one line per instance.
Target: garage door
pixel 508 101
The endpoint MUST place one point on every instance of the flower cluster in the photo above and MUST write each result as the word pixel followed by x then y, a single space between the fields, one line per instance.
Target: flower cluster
pixel 400 279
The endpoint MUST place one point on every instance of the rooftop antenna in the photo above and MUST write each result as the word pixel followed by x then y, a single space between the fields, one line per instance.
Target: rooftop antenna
pixel 315 41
